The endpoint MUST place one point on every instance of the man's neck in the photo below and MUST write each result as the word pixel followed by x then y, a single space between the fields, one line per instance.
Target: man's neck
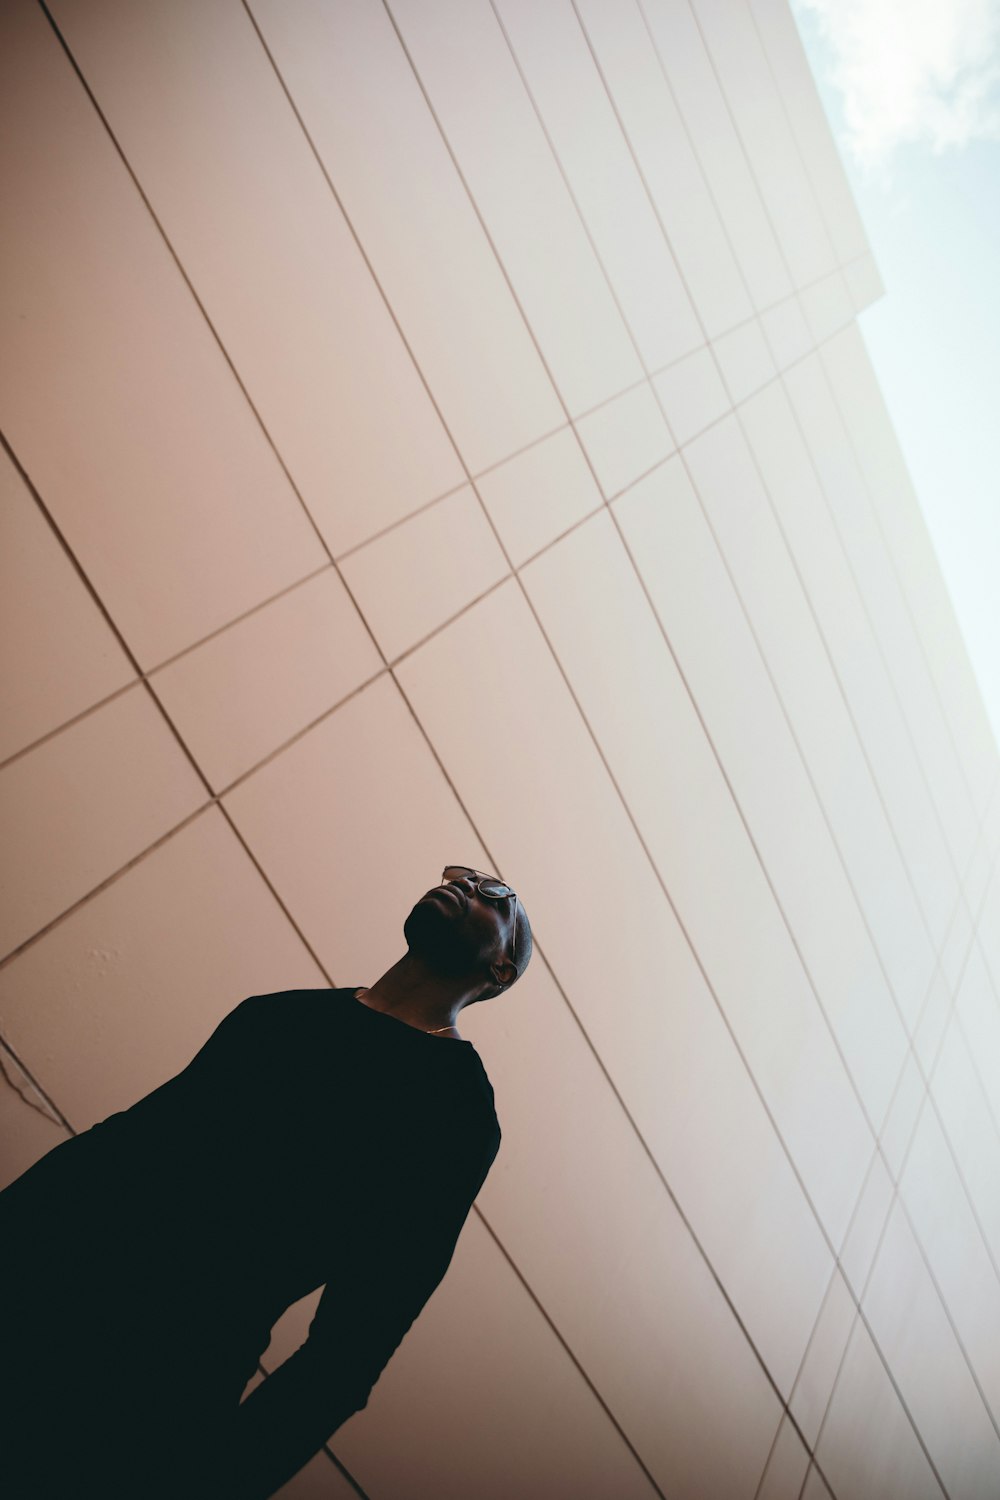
pixel 411 993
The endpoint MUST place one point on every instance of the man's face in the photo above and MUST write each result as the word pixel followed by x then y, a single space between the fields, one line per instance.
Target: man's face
pixel 456 931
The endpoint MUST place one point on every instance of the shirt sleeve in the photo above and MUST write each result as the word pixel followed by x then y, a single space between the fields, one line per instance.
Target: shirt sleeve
pixel 388 1265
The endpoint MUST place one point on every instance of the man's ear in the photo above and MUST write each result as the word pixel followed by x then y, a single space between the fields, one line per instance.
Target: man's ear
pixel 504 973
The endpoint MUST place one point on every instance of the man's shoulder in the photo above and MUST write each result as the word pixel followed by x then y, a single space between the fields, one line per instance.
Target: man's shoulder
pixel 302 996
pixel 285 1005
pixel 471 1086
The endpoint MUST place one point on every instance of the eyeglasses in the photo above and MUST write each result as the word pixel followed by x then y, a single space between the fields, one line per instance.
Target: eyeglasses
pixel 493 890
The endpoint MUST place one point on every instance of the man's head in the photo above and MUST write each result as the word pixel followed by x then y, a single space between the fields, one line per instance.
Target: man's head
pixel 471 928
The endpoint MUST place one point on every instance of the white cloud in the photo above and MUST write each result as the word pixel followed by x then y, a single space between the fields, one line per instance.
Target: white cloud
pixel 913 70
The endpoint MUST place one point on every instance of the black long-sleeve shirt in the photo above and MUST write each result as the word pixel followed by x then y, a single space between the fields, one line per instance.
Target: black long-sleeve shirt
pixel 313 1141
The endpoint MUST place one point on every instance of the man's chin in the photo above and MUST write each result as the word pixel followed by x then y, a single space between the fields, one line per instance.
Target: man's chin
pixel 430 935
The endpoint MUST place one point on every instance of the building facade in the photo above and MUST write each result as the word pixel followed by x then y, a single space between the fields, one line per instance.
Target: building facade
pixel 440 430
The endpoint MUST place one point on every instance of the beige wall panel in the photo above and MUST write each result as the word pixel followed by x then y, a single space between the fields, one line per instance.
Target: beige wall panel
pixel 29 1127
pixel 991 824
pixel 794 81
pixel 744 360
pixel 934 1018
pixel 955 949
pixel 746 80
pixel 58 655
pixel 900 1123
pixel 857 1254
pixel 656 133
pixel 786 331
pixel 663 762
pixel 676 554
pixel 120 995
pixel 356 92
pixel 83 803
pixel 964 935
pixel 625 438
pixel 630 975
pixel 579 117
pixel 944 1224
pixel 202 118
pixel 912 1329
pixel 749 538
pixel 868 1446
pixel 694 83
pixel 816 1379
pixel 989 910
pixel 352 823
pixel 801 509
pixel 828 306
pixel 659 1341
pixel 977 875
pixel 237 697
pixel 114 394
pixel 484 1364
pixel 979 1018
pixel 291 1330
pixel 815 1487
pixel 972 1132
pixel 419 574
pixel 847 492
pixel 462 58
pixel 912 558
pixel 786 1467
pixel 692 395
pixel 988 927
pixel 540 493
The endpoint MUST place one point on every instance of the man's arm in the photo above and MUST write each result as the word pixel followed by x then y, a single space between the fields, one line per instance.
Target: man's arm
pixel 390 1266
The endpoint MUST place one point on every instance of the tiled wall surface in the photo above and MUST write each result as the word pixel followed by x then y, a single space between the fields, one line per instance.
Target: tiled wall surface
pixel 440 429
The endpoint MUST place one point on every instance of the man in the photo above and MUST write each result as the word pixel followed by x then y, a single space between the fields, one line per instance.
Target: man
pixel 330 1138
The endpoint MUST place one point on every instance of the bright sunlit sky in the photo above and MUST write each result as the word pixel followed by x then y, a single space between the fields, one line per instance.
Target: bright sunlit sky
pixel 912 92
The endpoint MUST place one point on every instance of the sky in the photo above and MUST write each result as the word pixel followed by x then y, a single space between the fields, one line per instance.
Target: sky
pixel 912 92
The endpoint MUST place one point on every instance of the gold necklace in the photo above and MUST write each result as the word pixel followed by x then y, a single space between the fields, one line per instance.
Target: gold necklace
pixel 437 1030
